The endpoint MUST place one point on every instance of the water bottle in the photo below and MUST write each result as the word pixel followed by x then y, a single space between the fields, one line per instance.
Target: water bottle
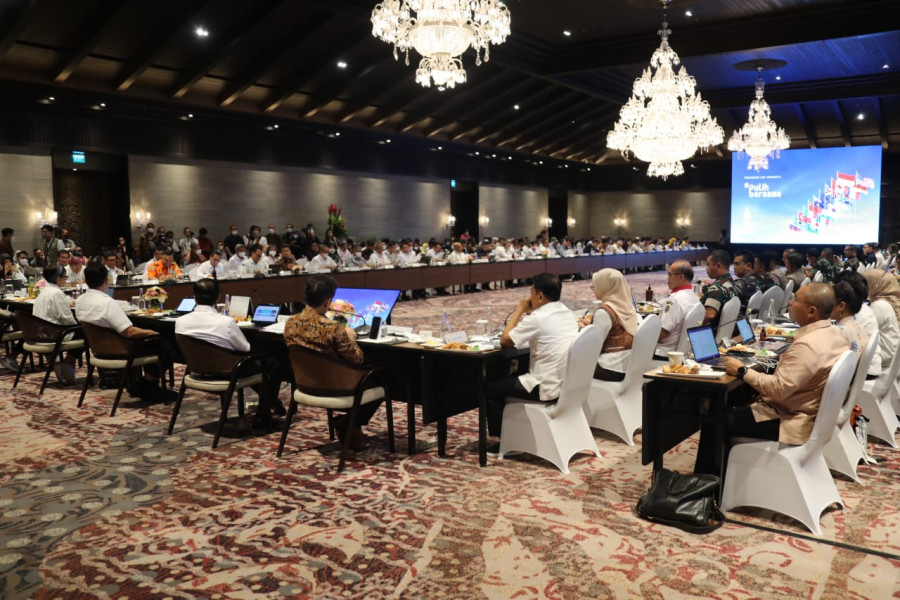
pixel 490 320
pixel 31 286
pixel 227 304
pixel 445 325
pixel 141 304
pixel 770 318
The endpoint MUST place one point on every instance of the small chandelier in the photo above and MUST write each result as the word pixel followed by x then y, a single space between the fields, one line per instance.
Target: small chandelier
pixel 665 121
pixel 441 32
pixel 760 138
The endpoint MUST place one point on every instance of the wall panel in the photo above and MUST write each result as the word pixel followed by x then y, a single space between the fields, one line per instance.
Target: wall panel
pixel 513 211
pixel 26 187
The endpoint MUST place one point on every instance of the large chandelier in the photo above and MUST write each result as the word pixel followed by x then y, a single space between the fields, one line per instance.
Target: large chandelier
pixel 441 31
pixel 760 138
pixel 665 121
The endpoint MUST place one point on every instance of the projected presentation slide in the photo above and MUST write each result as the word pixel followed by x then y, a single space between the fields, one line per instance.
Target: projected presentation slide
pixel 819 196
pixel 359 305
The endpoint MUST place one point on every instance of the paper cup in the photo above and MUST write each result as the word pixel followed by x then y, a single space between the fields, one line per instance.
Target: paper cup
pixel 676 359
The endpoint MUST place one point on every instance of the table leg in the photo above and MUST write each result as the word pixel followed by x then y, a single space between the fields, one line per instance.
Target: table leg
pixel 721 441
pixel 482 415
pixel 411 427
pixel 442 437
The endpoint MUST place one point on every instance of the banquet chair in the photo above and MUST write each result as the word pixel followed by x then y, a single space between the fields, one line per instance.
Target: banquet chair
pixel 217 370
pixel 818 277
pixel 875 399
pixel 45 339
pixel 792 480
pixel 617 406
pixel 842 452
pixel 692 319
pixel 754 303
pixel 773 293
pixel 10 333
pixel 107 349
pixel 727 318
pixel 327 382
pixel 806 281
pixel 788 294
pixel 556 431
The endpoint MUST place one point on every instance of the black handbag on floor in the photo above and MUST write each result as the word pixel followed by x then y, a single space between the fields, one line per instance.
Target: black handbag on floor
pixel 684 501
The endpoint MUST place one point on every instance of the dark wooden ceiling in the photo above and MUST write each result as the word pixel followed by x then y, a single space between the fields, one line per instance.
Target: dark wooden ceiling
pixel 277 61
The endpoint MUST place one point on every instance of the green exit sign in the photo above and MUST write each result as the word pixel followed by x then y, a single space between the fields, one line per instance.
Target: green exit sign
pixel 78 157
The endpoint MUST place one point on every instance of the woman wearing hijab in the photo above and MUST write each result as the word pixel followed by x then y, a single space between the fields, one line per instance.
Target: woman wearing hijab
pixel 850 290
pixel 884 301
pixel 618 319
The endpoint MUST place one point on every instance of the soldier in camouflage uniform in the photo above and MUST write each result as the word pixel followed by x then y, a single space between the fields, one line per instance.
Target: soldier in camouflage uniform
pixel 851 260
pixel 720 290
pixel 825 266
pixel 745 281
pixel 763 274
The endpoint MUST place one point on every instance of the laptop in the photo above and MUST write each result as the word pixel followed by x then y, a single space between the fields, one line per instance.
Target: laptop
pixel 185 306
pixel 266 314
pixel 706 350
pixel 748 338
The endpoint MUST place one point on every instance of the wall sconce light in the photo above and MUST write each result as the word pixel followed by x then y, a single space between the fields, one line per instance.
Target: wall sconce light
pixel 548 222
pixel 620 222
pixel 483 220
pixel 451 221
pixel 141 219
pixel 571 221
pixel 48 218
pixel 683 221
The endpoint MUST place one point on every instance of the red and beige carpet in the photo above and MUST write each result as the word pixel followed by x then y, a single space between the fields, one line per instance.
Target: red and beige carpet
pixel 100 507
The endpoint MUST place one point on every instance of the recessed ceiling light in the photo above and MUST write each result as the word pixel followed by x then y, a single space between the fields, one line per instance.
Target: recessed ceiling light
pixel 515 107
pixel 778 78
pixel 860 116
pixel 885 66
pixel 275 126
pixel 201 32
pixel 341 64
pixel 567 33
pixel 540 162
pixel 634 168
pixel 190 115
pixel 387 141
pixel 440 147
pixel 688 13
pixel 74 169
pixel 51 98
pixel 493 156
pixel 337 134
pixel 588 168
pixel 509 158
pixel 477 153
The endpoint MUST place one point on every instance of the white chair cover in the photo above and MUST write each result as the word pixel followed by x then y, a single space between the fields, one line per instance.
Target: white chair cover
pixel 876 401
pixel 773 293
pixel 727 318
pixel 788 294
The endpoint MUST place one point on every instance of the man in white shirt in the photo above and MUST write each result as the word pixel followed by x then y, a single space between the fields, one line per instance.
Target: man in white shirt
pixel 502 251
pixel 344 253
pixel 185 243
pixel 254 265
pixel 377 259
pixel 206 324
pixel 212 268
pixel 53 305
pixel 458 257
pixel 406 256
pixel 546 327
pixel 97 308
pixel 322 262
pixel 75 271
pixel 679 304
pixel 237 259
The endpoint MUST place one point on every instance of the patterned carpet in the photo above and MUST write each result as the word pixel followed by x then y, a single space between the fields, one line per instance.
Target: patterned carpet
pixel 99 507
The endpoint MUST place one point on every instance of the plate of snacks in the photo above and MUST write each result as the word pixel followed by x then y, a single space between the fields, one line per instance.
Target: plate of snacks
pixel 690 371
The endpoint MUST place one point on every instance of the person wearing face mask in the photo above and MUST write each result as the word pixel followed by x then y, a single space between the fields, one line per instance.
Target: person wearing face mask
pixel 145 244
pixel 270 255
pixel 206 244
pixel 195 256
pixel 24 265
pixel 7 237
pixel 50 245
pixel 232 240
pixel 255 264
pixel 185 244
pixel 237 259
pixel 256 238
pixel 273 237
pixel 322 262
pixel 9 269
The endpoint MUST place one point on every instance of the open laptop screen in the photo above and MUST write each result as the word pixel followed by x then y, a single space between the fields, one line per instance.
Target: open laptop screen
pixel 703 343
pixel 187 305
pixel 266 314
pixel 746 331
pixel 360 305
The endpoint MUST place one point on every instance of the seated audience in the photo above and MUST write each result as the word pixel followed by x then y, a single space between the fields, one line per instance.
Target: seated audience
pixel 745 281
pixel 165 268
pixel 884 302
pixel 793 263
pixel 617 318
pixel 53 305
pixel 851 260
pixel 311 329
pixel 764 276
pixel 254 265
pixel 546 327
pixel 680 302
pixel 322 262
pixel 850 291
pixel 720 290
pixel 212 268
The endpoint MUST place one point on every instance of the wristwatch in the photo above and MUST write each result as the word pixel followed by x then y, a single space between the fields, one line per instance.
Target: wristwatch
pixel 741 372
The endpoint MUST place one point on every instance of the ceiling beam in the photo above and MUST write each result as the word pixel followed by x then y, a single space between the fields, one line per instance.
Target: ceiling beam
pixel 500 103
pixel 564 115
pixel 842 123
pixel 589 119
pixel 882 127
pixel 532 103
pixel 804 122
pixel 327 58
pixel 491 90
pixel 538 114
pixel 167 31
pixel 270 59
pixel 842 88
pixel 225 43
pixel 14 20
pixel 372 97
pixel 765 30
pixel 555 126
pixel 101 20
pixel 340 85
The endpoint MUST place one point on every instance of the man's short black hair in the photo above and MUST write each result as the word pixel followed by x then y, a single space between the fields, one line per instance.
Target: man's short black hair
pixel 827 253
pixel 767 258
pixel 253 248
pixel 47 227
pixel 206 292
pixel 168 251
pixel 63 251
pixel 51 274
pixel 795 259
pixel 549 285
pixel 813 251
pixel 95 274
pixel 7 231
pixel 745 256
pixel 109 253
pixel 852 288
pixel 720 257
pixel 203 231
pixel 319 289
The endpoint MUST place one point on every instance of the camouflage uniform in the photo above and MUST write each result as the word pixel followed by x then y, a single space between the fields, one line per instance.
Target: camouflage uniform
pixel 826 268
pixel 767 282
pixel 716 294
pixel 851 264
pixel 745 287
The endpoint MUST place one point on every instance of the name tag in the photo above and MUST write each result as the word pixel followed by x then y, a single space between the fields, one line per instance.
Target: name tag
pixel 456 336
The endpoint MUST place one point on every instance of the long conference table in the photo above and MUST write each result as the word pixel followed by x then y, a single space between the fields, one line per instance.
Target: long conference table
pixel 282 289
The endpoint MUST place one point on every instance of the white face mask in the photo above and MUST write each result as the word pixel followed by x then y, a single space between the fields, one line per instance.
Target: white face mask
pixel 23 262
pixel 242 255
pixel 289 229
pixel 199 252
pixel 220 248
pixel 272 253
pixel 271 231
pixel 151 230
pixel 234 232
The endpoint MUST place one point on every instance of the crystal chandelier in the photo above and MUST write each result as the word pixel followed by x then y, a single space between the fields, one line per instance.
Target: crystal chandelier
pixel 760 138
pixel 441 31
pixel 665 121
